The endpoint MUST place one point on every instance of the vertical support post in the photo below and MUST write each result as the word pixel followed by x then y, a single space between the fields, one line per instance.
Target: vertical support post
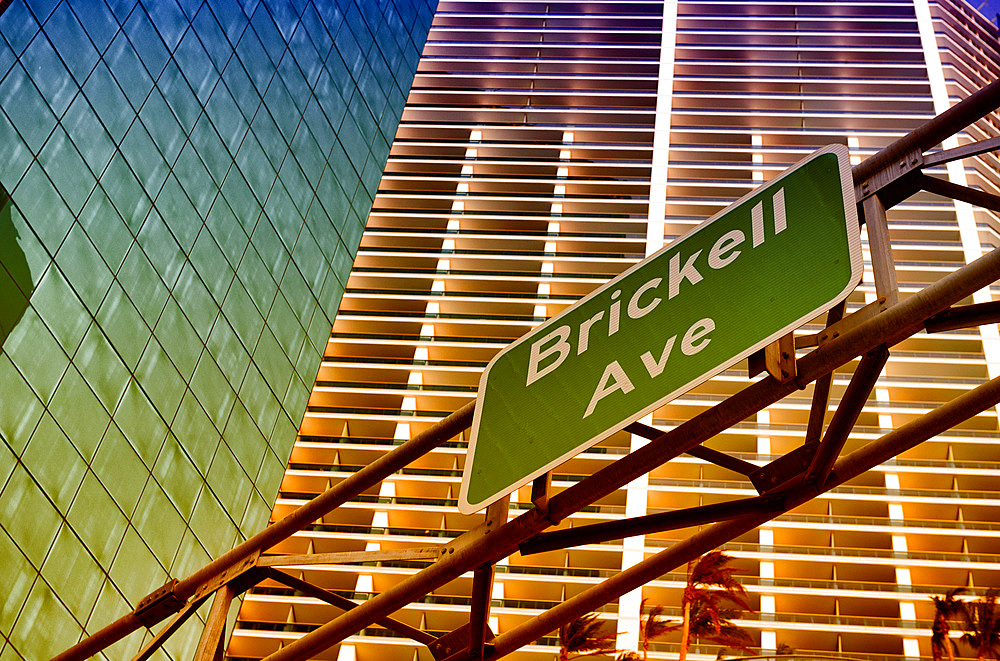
pixel 540 491
pixel 821 389
pixel 779 358
pixel 173 625
pixel 220 650
pixel 482 584
pixel 496 514
pixel 930 424
pixel 215 628
pixel 817 414
pixel 482 590
pixel 881 250
pixel 858 390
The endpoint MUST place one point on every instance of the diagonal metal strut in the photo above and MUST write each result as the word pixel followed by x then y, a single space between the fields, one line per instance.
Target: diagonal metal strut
pixel 895 324
pixel 895 167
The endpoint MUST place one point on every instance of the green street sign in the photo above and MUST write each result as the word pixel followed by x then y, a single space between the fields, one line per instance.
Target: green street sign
pixel 752 273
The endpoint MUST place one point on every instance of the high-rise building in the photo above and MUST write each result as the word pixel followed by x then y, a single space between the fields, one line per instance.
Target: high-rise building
pixel 183 187
pixel 545 147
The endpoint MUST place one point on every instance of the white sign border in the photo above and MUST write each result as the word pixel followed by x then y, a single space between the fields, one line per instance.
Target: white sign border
pixel 857 271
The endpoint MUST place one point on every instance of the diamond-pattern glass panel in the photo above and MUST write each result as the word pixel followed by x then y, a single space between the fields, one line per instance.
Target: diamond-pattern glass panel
pixel 157 275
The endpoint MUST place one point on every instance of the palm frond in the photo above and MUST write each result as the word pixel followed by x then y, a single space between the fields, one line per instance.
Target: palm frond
pixel 730 635
pixel 982 625
pixel 713 570
pixel 784 649
pixel 655 624
pixel 945 609
pixel 948 605
pixel 715 596
pixel 586 636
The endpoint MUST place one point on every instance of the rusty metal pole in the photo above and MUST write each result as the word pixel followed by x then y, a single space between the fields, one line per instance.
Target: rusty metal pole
pixel 487 549
pixel 332 498
pixel 168 630
pixel 880 245
pixel 897 323
pixel 336 495
pixel 215 627
pixel 854 464
pixel 821 389
pixel 636 576
pixel 479 611
pixel 345 604
pixel 906 319
pixel 893 325
pixel 962 114
pixel 851 404
pixel 700 515
pixel 965 112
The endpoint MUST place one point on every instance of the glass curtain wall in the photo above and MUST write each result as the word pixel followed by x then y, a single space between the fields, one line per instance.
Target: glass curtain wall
pixel 546 147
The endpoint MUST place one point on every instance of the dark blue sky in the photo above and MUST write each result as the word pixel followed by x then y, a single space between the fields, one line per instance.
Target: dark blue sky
pixel 989 7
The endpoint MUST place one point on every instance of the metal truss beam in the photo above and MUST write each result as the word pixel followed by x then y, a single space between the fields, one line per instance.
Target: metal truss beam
pixel 964 316
pixel 965 151
pixel 479 613
pixel 213 638
pixel 853 465
pixel 887 177
pixel 173 625
pixel 700 451
pixel 345 604
pixel 244 556
pixel 596 533
pixel 347 557
pixel 958 192
pixel 892 326
pixel 851 403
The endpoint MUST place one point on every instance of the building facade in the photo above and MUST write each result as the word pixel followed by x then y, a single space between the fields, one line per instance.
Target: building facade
pixel 183 188
pixel 546 147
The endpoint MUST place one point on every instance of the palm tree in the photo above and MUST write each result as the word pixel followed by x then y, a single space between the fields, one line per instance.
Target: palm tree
pixel 713 595
pixel 784 649
pixel 712 622
pixel 982 624
pixel 653 626
pixel 585 636
pixel 946 608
